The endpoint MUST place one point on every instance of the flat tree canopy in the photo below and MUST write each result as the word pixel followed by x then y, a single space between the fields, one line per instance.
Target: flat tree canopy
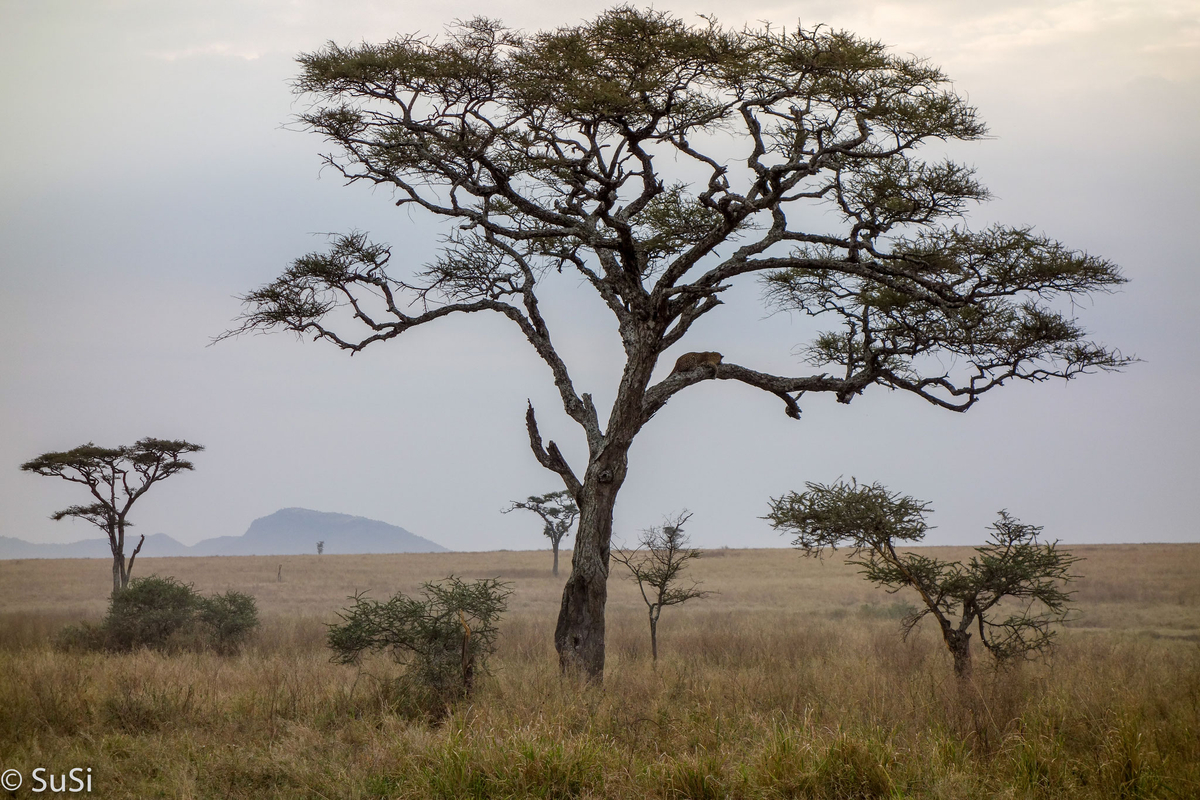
pixel 116 477
pixel 558 512
pixel 658 162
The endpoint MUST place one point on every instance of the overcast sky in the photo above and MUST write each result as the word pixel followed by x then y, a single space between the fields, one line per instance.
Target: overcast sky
pixel 148 176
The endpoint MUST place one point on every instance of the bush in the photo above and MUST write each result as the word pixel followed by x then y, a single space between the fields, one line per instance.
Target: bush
pixel 164 614
pixel 444 637
pixel 84 637
pixel 229 618
pixel 150 612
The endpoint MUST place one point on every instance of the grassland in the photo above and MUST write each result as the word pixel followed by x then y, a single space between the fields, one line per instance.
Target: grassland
pixel 792 682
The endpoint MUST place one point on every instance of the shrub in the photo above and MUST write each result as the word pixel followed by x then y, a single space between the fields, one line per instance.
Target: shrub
pixel 84 637
pixel 165 614
pixel 444 637
pixel 150 612
pixel 229 619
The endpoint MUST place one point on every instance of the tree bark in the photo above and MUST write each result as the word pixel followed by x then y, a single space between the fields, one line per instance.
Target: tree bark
pixel 579 635
pixel 959 643
pixel 119 578
pixel 653 636
pixel 556 559
pixel 122 568
pixel 116 541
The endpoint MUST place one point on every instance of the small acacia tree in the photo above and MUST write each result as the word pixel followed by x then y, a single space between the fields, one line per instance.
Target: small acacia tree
pixel 658 163
pixel 1013 565
pixel 657 564
pixel 558 512
pixel 116 478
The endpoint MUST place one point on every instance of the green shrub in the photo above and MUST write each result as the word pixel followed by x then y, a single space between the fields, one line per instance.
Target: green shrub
pixel 444 637
pixel 229 619
pixel 150 612
pixel 84 637
pixel 164 614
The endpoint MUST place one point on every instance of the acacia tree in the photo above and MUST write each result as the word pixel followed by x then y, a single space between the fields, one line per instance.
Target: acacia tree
pixel 558 512
pixel 1013 565
pixel 657 563
pixel 562 151
pixel 116 478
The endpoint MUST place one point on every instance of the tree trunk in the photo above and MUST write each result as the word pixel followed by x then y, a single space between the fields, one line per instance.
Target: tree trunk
pixel 556 559
pixel 653 636
pixel 116 542
pixel 122 568
pixel 959 643
pixel 579 635
pixel 119 578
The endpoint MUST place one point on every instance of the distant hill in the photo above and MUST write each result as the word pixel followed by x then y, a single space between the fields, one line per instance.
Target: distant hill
pixel 289 531
pixel 293 531
pixel 158 544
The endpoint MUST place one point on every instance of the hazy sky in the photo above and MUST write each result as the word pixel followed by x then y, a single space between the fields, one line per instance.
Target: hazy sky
pixel 148 175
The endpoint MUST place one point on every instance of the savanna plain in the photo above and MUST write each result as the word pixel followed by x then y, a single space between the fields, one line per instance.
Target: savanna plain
pixel 791 682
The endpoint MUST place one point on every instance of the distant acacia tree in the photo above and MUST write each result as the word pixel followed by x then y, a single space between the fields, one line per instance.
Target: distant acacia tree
pixel 558 512
pixel 320 547
pixel 1013 566
pixel 658 164
pixel 657 563
pixel 116 478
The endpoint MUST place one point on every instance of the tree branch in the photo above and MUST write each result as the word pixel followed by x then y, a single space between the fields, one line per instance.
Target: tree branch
pixel 550 457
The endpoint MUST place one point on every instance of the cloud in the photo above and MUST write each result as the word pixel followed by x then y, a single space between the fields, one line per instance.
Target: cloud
pixel 1125 38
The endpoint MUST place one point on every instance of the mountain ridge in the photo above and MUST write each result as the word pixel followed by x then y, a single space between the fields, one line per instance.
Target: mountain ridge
pixel 288 531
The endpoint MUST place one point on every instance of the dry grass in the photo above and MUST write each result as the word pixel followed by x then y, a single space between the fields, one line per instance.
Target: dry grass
pixel 792 682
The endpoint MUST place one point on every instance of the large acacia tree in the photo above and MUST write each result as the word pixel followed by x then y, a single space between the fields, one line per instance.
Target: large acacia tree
pixel 659 162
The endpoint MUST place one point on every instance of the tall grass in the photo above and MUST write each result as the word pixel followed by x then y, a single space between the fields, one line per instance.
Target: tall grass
pixel 756 698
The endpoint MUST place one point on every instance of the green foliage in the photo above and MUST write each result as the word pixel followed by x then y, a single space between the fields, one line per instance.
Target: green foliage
pixel 557 510
pixel 150 612
pixel 444 637
pixel 116 477
pixel 850 769
pixel 697 778
pixel 659 162
pixel 898 323
pixel 567 125
pixel 230 618
pixel 1013 565
pixel 148 454
pixel 166 614
pixel 846 514
pixel 84 637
